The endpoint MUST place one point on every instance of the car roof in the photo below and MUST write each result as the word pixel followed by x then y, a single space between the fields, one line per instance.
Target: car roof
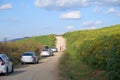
pixel 45 49
pixel 29 53
pixel 1 55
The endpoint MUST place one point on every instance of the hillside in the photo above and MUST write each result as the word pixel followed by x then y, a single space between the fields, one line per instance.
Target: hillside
pixel 35 44
pixel 44 40
pixel 92 54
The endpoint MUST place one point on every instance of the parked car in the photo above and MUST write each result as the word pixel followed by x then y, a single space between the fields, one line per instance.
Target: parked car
pixel 46 47
pixel 54 49
pixel 29 57
pixel 6 65
pixel 46 52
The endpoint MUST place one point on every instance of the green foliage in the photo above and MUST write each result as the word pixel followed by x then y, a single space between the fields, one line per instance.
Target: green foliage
pixel 95 49
pixel 72 69
pixel 113 63
pixel 44 40
pixel 14 49
pixel 96 52
pixel 35 44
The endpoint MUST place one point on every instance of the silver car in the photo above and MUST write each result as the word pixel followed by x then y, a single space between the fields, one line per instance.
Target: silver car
pixel 6 65
pixel 29 57
pixel 46 52
pixel 54 49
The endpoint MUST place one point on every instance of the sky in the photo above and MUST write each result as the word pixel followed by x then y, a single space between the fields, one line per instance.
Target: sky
pixel 27 18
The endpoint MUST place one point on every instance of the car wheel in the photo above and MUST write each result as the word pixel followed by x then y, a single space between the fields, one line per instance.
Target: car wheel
pixel 12 69
pixel 7 71
pixel 37 61
pixel 34 62
pixel 22 63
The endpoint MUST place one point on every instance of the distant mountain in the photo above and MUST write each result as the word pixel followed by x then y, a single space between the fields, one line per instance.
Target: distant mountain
pixel 17 39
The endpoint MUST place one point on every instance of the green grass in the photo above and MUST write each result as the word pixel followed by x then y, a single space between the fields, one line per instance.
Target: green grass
pixel 44 40
pixel 94 49
pixel 34 44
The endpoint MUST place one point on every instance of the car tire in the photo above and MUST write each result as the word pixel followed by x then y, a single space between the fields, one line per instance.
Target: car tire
pixel 52 54
pixel 37 61
pixel 7 72
pixel 34 62
pixel 22 63
pixel 12 69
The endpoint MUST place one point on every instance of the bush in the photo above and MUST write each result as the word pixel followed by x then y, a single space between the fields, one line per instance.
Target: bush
pixel 15 49
pixel 113 63
pixel 99 49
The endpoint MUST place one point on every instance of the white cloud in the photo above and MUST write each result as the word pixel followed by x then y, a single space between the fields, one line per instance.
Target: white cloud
pixel 97 9
pixel 6 6
pixel 106 2
pixel 92 24
pixel 87 23
pixel 93 27
pixel 98 22
pixel 61 4
pixel 70 27
pixel 111 10
pixel 71 15
pixel 43 3
pixel 73 4
pixel 69 3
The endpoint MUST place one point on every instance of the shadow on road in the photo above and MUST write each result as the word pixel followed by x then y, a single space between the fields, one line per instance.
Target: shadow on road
pixel 17 72
pixel 21 66
pixel 26 65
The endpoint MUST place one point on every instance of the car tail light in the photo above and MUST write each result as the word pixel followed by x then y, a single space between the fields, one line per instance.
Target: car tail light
pixel 2 62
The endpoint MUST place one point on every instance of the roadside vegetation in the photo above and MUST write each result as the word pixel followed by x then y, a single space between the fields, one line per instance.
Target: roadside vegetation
pixel 48 40
pixel 92 54
pixel 35 44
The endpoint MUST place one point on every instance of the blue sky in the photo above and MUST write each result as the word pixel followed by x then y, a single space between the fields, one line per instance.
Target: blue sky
pixel 21 18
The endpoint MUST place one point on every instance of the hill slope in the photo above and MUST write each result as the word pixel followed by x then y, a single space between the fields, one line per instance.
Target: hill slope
pixel 91 53
pixel 35 44
pixel 44 40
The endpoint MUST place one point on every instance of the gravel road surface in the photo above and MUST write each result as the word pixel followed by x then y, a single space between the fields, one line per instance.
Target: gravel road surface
pixel 47 69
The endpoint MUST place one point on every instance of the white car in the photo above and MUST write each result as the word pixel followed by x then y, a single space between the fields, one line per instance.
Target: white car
pixel 46 52
pixel 6 65
pixel 54 49
pixel 29 57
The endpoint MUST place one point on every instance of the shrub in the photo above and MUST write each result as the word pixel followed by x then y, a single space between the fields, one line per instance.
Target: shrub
pixel 99 49
pixel 35 44
pixel 113 62
pixel 14 49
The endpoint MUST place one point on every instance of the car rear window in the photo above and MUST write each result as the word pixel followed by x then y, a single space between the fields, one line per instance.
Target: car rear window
pixel 45 50
pixel 28 54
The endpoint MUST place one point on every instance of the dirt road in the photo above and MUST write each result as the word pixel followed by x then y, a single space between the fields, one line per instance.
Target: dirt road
pixel 45 70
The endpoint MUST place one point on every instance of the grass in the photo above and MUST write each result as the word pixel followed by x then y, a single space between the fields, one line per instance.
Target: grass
pixel 44 40
pixel 73 69
pixel 88 53
pixel 34 44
